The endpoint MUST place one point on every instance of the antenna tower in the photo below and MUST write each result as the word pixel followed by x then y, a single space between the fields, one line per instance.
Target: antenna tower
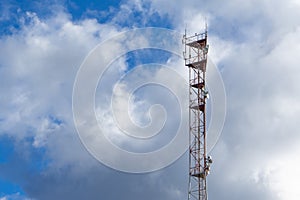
pixel 195 56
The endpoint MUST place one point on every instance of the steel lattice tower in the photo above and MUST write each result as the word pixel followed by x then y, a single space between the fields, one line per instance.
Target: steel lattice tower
pixel 195 55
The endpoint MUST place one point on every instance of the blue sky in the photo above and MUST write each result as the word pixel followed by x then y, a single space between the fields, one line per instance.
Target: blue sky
pixel 255 45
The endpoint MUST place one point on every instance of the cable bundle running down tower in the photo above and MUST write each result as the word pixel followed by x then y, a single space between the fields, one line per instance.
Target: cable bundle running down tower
pixel 195 56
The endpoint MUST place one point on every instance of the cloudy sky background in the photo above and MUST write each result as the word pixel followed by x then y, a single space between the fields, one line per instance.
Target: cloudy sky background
pixel 255 45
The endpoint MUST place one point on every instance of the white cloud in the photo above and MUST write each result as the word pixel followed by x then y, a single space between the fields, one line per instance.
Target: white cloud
pixel 255 43
pixel 16 196
pixel 38 67
pixel 284 174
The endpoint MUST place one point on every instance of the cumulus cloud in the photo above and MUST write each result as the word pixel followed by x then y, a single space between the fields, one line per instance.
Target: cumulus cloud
pixel 16 196
pixel 255 45
pixel 38 67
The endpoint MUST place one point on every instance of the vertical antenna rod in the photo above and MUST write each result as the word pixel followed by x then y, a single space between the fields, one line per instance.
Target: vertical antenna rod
pixel 195 56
